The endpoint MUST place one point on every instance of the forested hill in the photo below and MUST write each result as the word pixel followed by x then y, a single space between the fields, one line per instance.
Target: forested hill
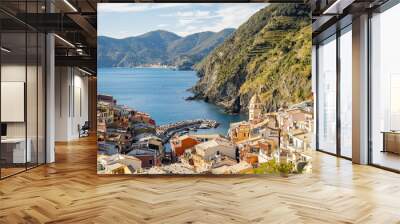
pixel 158 47
pixel 270 53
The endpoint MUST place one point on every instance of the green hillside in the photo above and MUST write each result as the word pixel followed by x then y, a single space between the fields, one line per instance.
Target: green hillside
pixel 158 47
pixel 269 54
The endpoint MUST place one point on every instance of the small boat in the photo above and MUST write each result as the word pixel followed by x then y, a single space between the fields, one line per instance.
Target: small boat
pixel 203 126
pixel 184 132
pixel 194 129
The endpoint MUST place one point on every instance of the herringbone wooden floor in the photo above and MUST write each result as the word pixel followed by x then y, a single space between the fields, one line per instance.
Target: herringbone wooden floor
pixel 69 191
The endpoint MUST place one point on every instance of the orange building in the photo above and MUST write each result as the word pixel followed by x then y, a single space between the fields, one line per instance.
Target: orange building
pixel 249 153
pixel 251 158
pixel 268 146
pixel 239 131
pixel 181 143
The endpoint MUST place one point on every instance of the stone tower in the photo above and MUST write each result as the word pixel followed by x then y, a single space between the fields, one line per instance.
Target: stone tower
pixel 255 109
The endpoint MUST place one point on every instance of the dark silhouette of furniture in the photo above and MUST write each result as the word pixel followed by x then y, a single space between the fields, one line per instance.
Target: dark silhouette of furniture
pixel 84 130
pixel 391 141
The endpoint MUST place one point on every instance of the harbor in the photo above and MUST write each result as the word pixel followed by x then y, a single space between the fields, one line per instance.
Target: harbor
pixel 165 132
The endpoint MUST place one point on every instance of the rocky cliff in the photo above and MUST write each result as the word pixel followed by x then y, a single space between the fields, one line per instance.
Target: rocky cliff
pixel 269 54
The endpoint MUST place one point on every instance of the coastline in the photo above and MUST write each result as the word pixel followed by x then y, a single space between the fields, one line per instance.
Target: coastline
pixel 167 101
pixel 144 66
pixel 130 142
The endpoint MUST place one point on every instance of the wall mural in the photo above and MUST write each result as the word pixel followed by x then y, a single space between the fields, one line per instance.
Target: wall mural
pixel 204 88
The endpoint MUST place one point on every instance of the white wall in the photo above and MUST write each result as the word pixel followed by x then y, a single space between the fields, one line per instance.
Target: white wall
pixel 81 104
pixel 71 102
pixel 12 73
pixel 33 126
pixel 62 82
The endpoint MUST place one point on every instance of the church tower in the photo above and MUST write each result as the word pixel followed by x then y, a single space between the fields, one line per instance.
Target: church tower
pixel 255 109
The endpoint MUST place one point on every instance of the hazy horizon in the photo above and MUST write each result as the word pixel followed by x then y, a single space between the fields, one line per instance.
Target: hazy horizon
pixel 123 20
pixel 168 32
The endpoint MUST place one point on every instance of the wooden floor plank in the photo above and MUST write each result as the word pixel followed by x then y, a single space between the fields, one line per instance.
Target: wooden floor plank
pixel 70 191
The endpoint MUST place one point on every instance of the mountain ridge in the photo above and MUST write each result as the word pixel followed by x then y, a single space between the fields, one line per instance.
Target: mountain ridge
pixel 159 47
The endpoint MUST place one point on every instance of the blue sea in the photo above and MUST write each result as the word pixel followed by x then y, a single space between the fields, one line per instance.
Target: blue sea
pixel 161 92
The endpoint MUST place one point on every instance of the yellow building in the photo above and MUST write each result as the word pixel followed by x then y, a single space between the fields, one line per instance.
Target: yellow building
pixel 239 131
pixel 116 168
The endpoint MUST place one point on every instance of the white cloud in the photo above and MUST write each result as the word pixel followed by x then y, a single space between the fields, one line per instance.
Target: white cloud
pixel 226 16
pixel 187 18
pixel 190 29
pixel 185 22
pixel 235 15
pixel 195 14
pixel 162 25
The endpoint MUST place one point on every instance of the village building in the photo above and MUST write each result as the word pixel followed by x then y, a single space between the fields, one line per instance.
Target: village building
pixel 206 154
pixel 271 119
pixel 116 168
pixel 221 165
pixel 153 142
pixel 107 99
pixel 298 140
pixel 180 143
pixel 257 129
pixel 119 164
pixel 239 131
pixel 149 157
pixel 121 137
pixel 255 109
pixel 257 150
pixel 205 137
pixel 300 119
pixel 142 118
pixel 266 150
pixel 143 128
pixel 249 153
pixel 101 126
pixel 122 116
pixel 300 127
pixel 150 142
pixel 105 112
pixel 284 135
pixel 296 158
pixel 107 148
pixel 219 146
pixel 236 168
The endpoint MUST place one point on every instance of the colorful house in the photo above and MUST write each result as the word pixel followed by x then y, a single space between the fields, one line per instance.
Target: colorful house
pixel 239 131
pixel 181 143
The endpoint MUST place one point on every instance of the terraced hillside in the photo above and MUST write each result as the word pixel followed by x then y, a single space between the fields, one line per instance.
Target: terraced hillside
pixel 269 54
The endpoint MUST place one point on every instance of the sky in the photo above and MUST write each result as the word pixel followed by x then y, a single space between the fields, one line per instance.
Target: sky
pixel 121 20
